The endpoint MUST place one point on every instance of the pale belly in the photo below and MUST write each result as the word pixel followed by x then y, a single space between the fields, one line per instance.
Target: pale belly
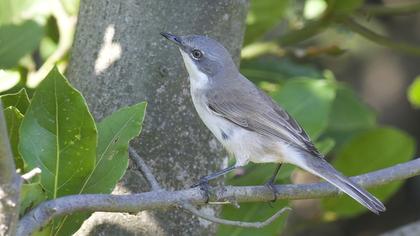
pixel 245 145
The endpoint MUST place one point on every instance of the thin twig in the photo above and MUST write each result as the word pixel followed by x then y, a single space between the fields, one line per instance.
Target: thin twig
pixel 144 169
pixel 29 175
pixel 258 224
pixel 377 38
pixel 381 10
pixel 49 210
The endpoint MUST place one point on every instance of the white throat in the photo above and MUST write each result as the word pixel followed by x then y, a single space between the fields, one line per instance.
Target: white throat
pixel 198 80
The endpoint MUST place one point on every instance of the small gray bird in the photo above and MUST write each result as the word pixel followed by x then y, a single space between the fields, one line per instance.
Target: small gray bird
pixel 249 123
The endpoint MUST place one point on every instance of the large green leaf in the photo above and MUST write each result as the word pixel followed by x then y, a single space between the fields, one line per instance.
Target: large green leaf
pixel 58 135
pixel 262 16
pixel 309 102
pixel 413 93
pixel 19 100
pixel 115 132
pixel 348 116
pixel 371 150
pixel 17 41
pixel 13 120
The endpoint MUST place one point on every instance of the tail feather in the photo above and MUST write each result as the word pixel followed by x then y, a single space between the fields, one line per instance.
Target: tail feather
pixel 323 169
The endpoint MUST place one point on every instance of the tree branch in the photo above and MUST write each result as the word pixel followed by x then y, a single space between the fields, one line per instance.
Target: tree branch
pixel 380 10
pixel 144 169
pixel 46 211
pixel 10 183
pixel 213 219
pixel 377 38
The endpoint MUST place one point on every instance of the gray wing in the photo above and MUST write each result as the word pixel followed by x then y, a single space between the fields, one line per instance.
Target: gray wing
pixel 259 113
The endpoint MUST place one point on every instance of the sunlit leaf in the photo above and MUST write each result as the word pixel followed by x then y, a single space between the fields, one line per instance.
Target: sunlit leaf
pixel 58 135
pixel 114 132
pixel 17 11
pixel 371 150
pixel 413 93
pixel 263 16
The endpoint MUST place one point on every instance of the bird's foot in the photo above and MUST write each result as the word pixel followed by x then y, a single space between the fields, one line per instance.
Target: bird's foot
pixel 204 185
pixel 270 185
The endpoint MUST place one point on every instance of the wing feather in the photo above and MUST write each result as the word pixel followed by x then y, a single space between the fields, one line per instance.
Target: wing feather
pixel 259 113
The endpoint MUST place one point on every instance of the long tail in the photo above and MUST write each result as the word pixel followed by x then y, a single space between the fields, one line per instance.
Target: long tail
pixel 321 168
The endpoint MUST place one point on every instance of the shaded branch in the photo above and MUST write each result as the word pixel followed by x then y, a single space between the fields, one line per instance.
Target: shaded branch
pixel 144 169
pixel 155 186
pixel 46 211
pixel 377 38
pixel 214 219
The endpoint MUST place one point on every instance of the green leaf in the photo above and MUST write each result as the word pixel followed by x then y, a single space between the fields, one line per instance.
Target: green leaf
pixel 17 41
pixel 17 11
pixel 115 133
pixel 325 146
pixel 413 93
pixel 252 212
pixel 13 120
pixel 30 196
pixel 274 70
pixel 19 100
pixel 348 116
pixel 263 16
pixel 309 102
pixel 58 135
pixel 371 150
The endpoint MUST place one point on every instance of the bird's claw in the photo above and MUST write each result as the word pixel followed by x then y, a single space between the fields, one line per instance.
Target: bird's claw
pixel 205 187
pixel 270 185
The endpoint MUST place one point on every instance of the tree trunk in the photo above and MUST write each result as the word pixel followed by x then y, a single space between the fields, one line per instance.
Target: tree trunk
pixel 119 59
pixel 9 183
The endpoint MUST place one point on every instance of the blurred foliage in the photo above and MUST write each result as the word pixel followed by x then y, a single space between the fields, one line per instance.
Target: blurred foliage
pixel 282 42
pixel 413 93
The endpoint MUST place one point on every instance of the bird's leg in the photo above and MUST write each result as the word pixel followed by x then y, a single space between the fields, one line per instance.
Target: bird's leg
pixel 204 181
pixel 270 183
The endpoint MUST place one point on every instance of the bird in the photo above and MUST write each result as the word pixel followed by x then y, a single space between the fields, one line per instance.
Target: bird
pixel 248 123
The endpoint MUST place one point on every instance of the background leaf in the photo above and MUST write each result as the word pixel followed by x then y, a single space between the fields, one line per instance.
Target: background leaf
pixel 413 93
pixel 31 195
pixel 371 150
pixel 348 116
pixel 262 16
pixel 309 102
pixel 17 41
pixel 19 100
pixel 115 133
pixel 13 120
pixel 58 135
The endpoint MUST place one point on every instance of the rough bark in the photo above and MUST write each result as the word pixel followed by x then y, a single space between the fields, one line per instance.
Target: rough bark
pixel 119 59
pixel 9 183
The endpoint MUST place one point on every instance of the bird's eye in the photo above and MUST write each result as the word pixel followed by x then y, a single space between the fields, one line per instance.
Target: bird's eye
pixel 196 54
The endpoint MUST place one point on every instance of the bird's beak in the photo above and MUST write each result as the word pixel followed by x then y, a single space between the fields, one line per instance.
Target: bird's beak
pixel 173 38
